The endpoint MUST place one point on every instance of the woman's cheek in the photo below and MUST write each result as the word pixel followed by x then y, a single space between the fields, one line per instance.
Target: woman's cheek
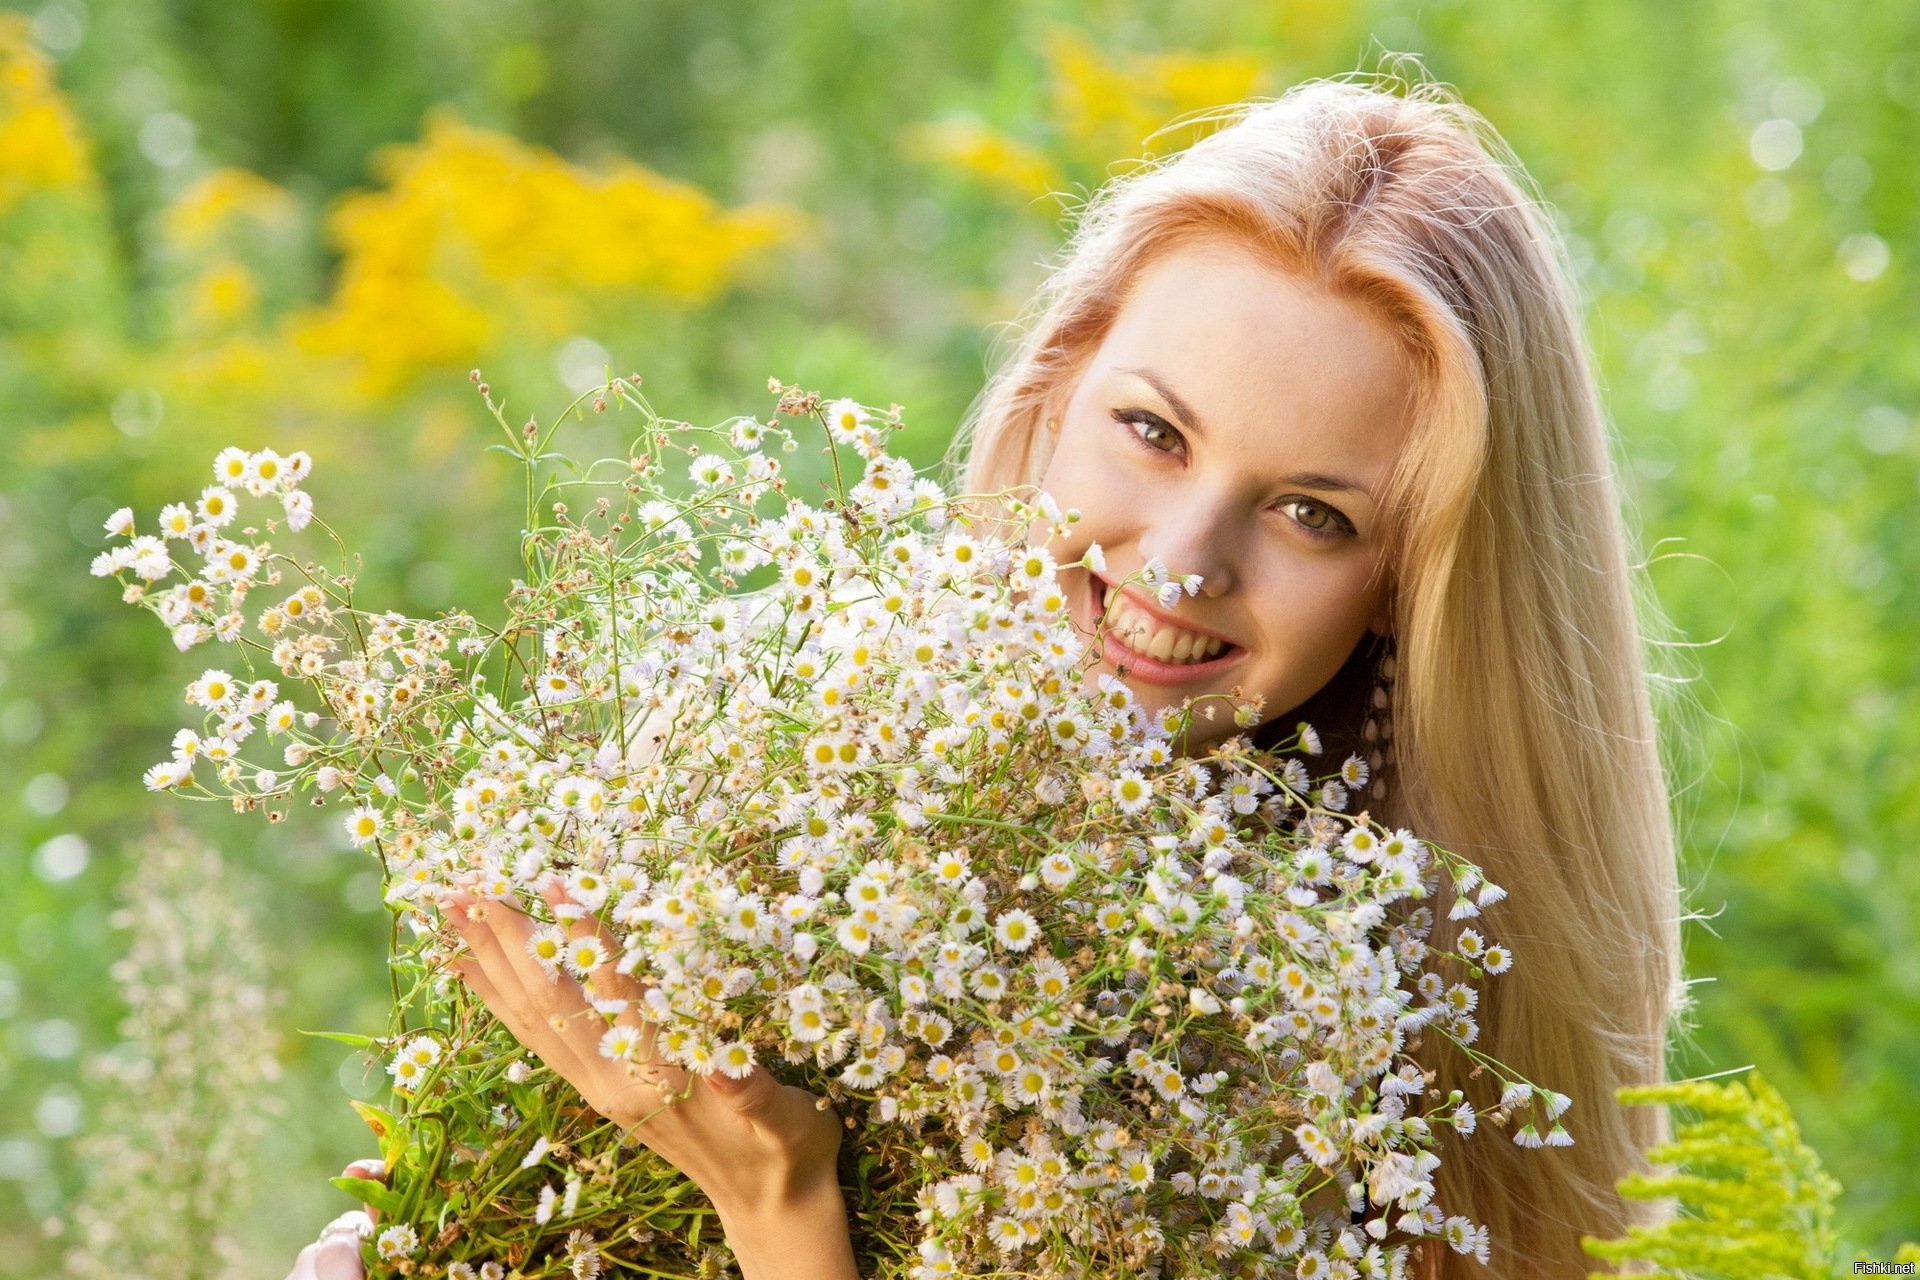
pixel 1070 484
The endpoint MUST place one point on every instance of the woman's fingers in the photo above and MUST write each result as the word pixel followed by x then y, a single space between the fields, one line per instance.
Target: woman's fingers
pixel 572 1016
pixel 552 1016
pixel 338 1258
pixel 468 970
pixel 303 1263
pixel 336 1254
pixel 606 982
pixel 752 1096
pixel 497 935
pixel 535 1008
pixel 528 1028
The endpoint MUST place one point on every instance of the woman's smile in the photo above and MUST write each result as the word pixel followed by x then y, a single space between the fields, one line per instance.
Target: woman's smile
pixel 1168 653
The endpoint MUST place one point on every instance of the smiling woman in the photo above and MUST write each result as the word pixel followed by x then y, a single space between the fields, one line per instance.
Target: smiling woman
pixel 1327 361
pixel 1227 410
pixel 1330 359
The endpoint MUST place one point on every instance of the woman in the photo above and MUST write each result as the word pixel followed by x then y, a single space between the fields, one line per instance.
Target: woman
pixel 1328 359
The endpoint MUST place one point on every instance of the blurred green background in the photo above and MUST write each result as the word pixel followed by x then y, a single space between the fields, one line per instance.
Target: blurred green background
pixel 298 223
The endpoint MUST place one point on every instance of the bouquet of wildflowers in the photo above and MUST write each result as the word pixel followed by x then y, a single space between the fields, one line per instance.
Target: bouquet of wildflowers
pixel 1087 1007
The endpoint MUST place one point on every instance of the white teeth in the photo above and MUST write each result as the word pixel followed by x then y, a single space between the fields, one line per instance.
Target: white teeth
pixel 1167 644
pixel 1107 602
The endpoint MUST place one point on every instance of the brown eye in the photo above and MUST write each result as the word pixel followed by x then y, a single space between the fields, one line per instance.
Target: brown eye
pixel 1147 437
pixel 1151 422
pixel 1324 522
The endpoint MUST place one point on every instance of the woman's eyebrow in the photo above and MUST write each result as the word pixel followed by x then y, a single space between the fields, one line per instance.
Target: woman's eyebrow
pixel 1191 420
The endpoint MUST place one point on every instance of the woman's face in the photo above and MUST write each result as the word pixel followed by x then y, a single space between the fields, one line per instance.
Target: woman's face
pixel 1237 423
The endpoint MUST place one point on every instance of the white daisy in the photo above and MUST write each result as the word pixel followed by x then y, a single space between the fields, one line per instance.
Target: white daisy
pixel 230 466
pixel 365 825
pixel 400 1241
pixel 1057 870
pixel 265 471
pixel 845 418
pixel 176 520
pixel 216 507
pixel 620 1043
pixel 167 775
pixel 547 944
pixel 1132 791
pixel 735 1058
pixel 1360 845
pixel 584 955
pixel 1016 930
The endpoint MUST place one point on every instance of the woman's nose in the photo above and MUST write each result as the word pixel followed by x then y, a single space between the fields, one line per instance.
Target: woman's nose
pixel 1196 540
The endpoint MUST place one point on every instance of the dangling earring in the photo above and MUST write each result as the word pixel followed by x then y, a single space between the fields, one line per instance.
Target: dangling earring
pixel 1378 730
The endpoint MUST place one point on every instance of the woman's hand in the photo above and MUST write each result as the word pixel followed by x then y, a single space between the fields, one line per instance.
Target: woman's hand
pixel 336 1254
pixel 763 1152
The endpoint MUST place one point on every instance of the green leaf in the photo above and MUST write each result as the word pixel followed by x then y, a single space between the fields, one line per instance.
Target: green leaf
pixel 378 1119
pixel 377 1195
pixel 344 1037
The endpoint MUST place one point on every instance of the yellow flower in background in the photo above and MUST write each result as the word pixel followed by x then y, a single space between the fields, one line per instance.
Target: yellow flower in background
pixel 221 297
pixel 390 325
pixel 1105 113
pixel 220 235
pixel 1002 162
pixel 1108 108
pixel 41 147
pixel 1104 110
pixel 473 227
pixel 210 210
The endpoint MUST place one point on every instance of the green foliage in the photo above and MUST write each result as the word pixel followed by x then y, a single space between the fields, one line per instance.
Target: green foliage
pixel 183 1095
pixel 1754 1201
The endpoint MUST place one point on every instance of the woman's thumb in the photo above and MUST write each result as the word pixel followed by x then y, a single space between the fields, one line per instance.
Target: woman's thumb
pixel 751 1095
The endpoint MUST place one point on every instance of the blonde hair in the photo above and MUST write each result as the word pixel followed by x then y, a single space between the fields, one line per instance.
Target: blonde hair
pixel 1523 710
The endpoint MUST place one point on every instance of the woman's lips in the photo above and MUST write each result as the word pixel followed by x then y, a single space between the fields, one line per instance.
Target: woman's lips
pixel 1138 666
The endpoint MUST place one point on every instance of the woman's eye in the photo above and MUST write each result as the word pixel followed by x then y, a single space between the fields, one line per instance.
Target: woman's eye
pixel 1319 520
pixel 1151 421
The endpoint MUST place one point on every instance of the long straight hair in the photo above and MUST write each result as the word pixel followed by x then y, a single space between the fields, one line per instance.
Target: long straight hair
pixel 1525 734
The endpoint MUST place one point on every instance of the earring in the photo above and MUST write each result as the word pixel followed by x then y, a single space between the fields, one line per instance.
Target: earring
pixel 1378 730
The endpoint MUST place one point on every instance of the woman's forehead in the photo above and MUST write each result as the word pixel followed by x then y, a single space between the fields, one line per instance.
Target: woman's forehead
pixel 1258 356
